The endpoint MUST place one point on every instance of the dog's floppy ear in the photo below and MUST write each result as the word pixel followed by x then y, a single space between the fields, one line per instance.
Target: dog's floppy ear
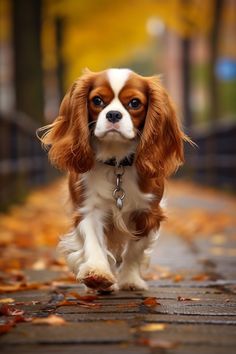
pixel 68 136
pixel 160 150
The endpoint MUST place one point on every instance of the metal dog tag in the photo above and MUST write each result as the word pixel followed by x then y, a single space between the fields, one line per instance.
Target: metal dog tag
pixel 119 203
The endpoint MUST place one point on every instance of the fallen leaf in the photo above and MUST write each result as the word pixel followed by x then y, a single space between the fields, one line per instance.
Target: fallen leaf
pixel 151 327
pixel 6 300
pixel 158 343
pixel 20 318
pixel 39 264
pixel 87 298
pixel 52 320
pixel 178 278
pixel 9 310
pixel 7 288
pixel 6 238
pixel 181 298
pixel 67 303
pixel 200 277
pixel 151 302
pixel 16 275
pixel 6 327
pixel 165 275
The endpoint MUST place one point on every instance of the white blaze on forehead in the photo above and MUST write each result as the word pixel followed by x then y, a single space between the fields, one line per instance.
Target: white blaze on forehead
pixel 117 78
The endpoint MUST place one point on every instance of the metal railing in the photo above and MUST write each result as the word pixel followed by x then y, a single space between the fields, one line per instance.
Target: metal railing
pixel 213 162
pixel 23 163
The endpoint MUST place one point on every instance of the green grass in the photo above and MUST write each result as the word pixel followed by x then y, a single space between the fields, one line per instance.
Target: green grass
pixel 227 101
pixel 200 74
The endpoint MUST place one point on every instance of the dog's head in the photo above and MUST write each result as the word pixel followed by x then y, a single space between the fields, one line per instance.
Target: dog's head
pixel 120 108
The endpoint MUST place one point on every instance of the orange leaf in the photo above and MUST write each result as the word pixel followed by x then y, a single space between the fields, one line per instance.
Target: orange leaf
pixel 178 278
pixel 151 302
pixel 51 320
pixel 7 288
pixel 6 327
pixel 200 277
pixel 88 298
pixel 152 327
pixel 67 303
pixel 8 310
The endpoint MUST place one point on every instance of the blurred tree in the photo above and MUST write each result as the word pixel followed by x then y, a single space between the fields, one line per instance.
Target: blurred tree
pixel 186 82
pixel 100 33
pixel 27 57
pixel 214 41
pixel 59 33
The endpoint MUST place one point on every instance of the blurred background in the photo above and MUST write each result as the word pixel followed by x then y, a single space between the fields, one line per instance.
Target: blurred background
pixel 45 44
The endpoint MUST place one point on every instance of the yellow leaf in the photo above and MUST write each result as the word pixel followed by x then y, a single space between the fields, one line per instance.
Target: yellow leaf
pixel 151 327
pixel 6 300
pixel 51 320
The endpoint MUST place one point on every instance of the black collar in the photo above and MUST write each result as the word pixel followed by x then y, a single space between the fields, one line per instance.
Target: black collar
pixel 127 161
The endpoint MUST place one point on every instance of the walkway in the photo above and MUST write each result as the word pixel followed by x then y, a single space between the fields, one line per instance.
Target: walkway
pixel 190 307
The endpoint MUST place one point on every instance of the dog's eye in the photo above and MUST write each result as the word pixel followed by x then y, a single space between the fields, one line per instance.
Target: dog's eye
pixel 97 101
pixel 135 103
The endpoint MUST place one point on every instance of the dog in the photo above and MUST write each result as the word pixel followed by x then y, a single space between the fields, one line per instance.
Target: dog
pixel 118 137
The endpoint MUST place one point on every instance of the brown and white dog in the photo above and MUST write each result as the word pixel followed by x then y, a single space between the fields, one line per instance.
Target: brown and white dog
pixel 118 137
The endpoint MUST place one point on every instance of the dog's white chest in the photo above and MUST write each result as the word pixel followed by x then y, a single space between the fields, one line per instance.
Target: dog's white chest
pixel 100 185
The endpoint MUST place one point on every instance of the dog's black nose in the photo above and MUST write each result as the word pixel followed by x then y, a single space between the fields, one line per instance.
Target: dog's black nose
pixel 113 116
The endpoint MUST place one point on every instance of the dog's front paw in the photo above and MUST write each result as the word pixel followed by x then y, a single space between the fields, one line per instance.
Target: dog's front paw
pixel 95 277
pixel 132 282
pixel 113 288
